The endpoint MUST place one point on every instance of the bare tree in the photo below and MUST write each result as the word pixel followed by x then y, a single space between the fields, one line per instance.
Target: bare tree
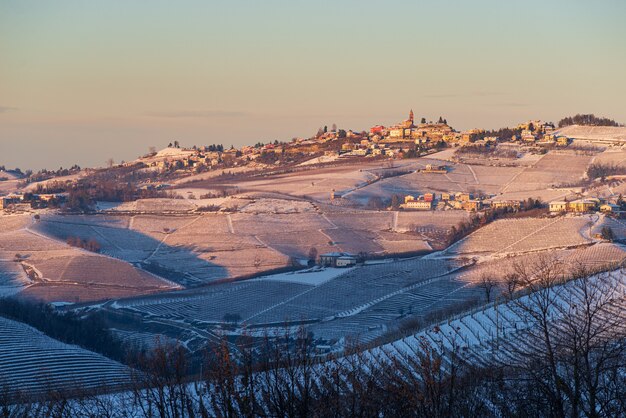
pixel 573 344
pixel 488 284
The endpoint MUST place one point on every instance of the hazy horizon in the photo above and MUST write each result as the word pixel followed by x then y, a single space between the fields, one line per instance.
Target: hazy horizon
pixel 84 82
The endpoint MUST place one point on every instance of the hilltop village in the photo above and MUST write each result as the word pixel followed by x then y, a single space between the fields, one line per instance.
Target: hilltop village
pixel 156 171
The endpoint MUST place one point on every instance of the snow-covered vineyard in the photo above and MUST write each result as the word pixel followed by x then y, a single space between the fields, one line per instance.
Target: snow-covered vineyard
pixel 513 333
pixel 505 333
pixel 511 236
pixel 35 364
pixel 363 303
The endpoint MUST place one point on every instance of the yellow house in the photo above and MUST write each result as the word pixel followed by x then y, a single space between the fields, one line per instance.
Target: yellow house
pixel 498 204
pixel 609 207
pixel 582 205
pixel 472 205
pixel 463 197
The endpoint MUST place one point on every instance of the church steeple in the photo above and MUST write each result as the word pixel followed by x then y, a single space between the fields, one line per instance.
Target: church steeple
pixel 411 115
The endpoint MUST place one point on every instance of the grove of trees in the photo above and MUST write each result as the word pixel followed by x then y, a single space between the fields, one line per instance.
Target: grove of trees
pixel 588 120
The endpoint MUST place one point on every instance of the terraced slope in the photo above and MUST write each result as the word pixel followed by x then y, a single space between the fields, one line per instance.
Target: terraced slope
pixel 33 363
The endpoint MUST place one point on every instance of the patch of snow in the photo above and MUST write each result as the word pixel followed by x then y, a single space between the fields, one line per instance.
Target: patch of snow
pixel 320 160
pixel 314 277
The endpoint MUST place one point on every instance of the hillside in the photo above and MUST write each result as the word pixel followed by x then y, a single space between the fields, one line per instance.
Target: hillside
pixel 32 363
pixel 594 133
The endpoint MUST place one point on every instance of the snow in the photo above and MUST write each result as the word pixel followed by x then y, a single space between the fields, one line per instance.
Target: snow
pixel 594 132
pixel 174 152
pixel 278 206
pixel 320 160
pixel 61 304
pixel 108 205
pixel 314 276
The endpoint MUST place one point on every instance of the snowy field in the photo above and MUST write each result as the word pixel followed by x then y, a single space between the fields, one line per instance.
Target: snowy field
pixel 513 236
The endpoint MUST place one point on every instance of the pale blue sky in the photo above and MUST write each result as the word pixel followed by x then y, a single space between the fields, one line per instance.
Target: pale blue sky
pixel 84 81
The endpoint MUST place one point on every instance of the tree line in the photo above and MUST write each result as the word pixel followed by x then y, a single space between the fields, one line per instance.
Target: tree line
pixel 587 120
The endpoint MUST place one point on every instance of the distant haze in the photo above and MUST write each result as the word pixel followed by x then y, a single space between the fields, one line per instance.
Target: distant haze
pixel 81 82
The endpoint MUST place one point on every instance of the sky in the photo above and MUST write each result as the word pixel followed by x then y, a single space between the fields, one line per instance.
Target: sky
pixel 82 82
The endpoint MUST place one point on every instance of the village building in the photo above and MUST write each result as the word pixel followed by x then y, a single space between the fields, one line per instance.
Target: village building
pixel 9 201
pixel 473 205
pixel 456 204
pixel 435 169
pixel 337 259
pixel 404 129
pixel 500 204
pixel 528 136
pixel 377 130
pixel 582 205
pixel 576 206
pixel 463 197
pixel 419 203
pixel 562 140
pixel 558 206
pixel 470 136
pixel 610 208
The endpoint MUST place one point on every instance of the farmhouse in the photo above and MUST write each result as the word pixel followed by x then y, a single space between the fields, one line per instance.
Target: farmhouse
pixel 7 201
pixel 609 208
pixel 582 205
pixel 421 203
pixel 435 169
pixel 337 259
pixel 463 197
pixel 418 205
pixel 576 206
pixel 473 205
pixel 558 206
pixel 500 204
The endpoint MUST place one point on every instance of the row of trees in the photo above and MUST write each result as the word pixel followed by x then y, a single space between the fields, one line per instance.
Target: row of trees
pixel 587 119
pixel 603 170
pixel 88 244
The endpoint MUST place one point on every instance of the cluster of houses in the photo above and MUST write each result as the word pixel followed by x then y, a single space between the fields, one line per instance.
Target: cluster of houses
pixel 389 141
pixel 27 201
pixel 541 133
pixel 586 205
pixel 469 202
pixel 459 200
